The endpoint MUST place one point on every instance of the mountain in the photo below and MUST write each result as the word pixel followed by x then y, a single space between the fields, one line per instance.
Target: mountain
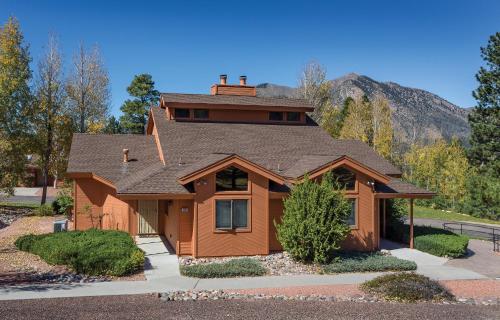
pixel 417 114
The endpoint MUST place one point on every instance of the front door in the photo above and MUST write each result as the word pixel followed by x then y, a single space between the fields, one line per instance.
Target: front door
pixel 148 216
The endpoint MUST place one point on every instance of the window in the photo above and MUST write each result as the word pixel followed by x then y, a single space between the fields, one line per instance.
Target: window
pixel 293 116
pixel 181 113
pixel 276 116
pixel 351 220
pixel 346 178
pixel 231 214
pixel 201 113
pixel 231 179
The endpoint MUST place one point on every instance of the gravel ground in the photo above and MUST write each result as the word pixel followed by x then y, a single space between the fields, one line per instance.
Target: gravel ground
pixel 149 307
pixel 279 263
pixel 477 289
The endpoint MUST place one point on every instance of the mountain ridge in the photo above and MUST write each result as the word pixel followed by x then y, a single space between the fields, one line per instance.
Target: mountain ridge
pixel 418 115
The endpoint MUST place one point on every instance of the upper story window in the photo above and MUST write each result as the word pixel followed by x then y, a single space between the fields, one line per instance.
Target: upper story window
pixel 231 179
pixel 346 178
pixel 275 116
pixel 200 113
pixel 181 113
pixel 293 116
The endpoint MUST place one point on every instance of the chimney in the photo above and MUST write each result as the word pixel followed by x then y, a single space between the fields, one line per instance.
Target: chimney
pixel 125 155
pixel 223 79
pixel 243 80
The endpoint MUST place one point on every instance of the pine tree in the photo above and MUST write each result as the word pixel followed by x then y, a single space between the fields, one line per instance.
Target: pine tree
pixel 113 126
pixel 135 111
pixel 15 99
pixel 485 117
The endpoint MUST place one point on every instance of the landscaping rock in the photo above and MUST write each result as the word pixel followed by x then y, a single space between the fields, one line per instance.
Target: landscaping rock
pixel 279 263
pixel 10 214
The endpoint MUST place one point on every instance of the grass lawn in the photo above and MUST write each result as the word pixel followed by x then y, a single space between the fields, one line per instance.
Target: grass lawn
pixel 428 213
pixel 19 204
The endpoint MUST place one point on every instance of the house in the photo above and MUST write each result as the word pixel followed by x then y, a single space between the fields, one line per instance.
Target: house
pixel 211 172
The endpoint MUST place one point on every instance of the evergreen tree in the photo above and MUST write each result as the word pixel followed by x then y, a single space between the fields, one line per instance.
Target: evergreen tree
pixel 485 117
pixel 15 99
pixel 113 126
pixel 135 111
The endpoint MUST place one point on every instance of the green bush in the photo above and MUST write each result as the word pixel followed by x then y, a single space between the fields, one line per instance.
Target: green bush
pixel 64 202
pixel 91 252
pixel 367 262
pixel 432 240
pixel 406 287
pixel 314 220
pixel 245 267
pixel 44 210
pixel 453 246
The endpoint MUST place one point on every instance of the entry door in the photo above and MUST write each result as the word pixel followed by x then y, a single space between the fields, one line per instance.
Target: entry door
pixel 148 216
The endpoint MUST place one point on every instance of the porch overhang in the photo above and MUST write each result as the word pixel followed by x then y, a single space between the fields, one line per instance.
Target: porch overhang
pixel 404 195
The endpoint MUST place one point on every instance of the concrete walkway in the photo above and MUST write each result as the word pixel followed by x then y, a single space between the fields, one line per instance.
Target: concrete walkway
pixel 161 260
pixel 429 265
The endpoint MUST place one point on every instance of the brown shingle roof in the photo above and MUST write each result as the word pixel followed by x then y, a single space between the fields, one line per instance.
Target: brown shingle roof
pixel 398 186
pixel 235 100
pixel 287 150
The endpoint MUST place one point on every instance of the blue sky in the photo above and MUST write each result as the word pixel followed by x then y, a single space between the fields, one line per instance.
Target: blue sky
pixel 185 45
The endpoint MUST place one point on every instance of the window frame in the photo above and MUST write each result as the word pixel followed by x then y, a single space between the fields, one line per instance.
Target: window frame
pixel 188 116
pixel 246 191
pixel 293 112
pixel 347 191
pixel 201 109
pixel 354 226
pixel 276 112
pixel 248 228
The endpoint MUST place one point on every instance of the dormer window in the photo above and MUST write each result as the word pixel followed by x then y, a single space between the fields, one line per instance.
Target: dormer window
pixel 181 113
pixel 200 113
pixel 275 116
pixel 231 179
pixel 293 116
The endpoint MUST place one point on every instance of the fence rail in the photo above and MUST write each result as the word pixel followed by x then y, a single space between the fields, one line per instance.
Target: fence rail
pixel 476 231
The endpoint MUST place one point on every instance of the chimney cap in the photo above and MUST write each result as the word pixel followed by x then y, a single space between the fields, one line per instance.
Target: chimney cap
pixel 125 155
pixel 223 79
pixel 243 77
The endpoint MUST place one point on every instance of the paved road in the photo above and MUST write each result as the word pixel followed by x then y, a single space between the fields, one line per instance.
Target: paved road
pixel 149 307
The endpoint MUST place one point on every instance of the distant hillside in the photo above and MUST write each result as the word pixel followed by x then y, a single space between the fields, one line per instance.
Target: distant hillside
pixel 417 114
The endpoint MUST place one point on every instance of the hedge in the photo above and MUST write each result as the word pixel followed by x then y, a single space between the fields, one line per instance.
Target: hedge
pixel 368 262
pixel 435 241
pixel 245 267
pixel 452 246
pixel 91 252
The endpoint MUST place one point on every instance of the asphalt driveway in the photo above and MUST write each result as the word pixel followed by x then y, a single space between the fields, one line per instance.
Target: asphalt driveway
pixel 149 307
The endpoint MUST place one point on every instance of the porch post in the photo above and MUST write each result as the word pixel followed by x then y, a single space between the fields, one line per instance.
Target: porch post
pixel 384 217
pixel 411 223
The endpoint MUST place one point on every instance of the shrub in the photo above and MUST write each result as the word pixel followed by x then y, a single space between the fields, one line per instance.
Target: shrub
pixel 314 220
pixel 453 246
pixel 92 252
pixel 368 262
pixel 406 287
pixel 44 210
pixel 435 241
pixel 245 267
pixel 63 203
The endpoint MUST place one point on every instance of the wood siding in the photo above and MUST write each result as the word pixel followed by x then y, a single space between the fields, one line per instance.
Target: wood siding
pixel 251 241
pixel 275 214
pixel 102 201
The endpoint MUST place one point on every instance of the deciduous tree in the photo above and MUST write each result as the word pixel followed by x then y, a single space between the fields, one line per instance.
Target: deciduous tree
pixel 88 90
pixel 315 88
pixel 49 111
pixel 15 100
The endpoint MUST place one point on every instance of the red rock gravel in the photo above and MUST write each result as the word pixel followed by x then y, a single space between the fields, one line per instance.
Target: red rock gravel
pixel 473 288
